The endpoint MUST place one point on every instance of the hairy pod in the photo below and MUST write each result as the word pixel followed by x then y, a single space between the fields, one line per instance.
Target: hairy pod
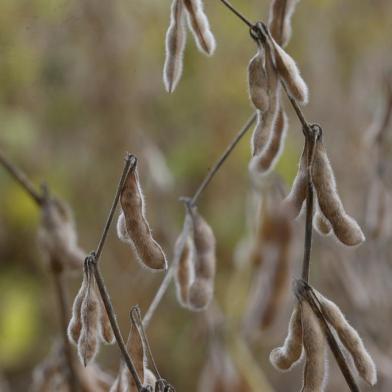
pixel 105 329
pixel 321 223
pixel 137 352
pixel 345 227
pixel 88 344
pixel 75 324
pixel 293 202
pixel 175 46
pixel 314 342
pixel 285 357
pixel 184 272
pixel 258 83
pixel 265 161
pixel 279 21
pixel 350 339
pixel 149 378
pixel 260 133
pixel 57 235
pixel 200 27
pixel 265 121
pixel 147 250
pixel 290 75
pixel 202 288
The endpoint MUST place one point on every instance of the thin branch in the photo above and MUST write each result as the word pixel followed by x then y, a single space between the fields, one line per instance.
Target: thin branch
pixel 311 140
pixel 63 304
pixel 113 319
pixel 222 159
pixel 185 232
pixel 168 277
pixel 21 179
pixel 237 13
pixel 305 292
pixel 130 164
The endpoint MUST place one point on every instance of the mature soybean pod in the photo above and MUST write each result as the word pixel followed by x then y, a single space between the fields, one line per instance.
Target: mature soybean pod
pixel 147 250
pixel 175 46
pixel 345 227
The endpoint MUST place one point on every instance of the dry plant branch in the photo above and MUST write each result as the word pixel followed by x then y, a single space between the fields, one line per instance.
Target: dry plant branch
pixel 93 260
pixel 184 235
pixel 41 198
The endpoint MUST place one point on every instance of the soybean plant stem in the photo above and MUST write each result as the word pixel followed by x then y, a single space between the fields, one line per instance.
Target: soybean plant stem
pixel 185 232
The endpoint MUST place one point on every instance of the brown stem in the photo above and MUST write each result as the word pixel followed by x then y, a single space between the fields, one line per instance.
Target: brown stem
pixel 63 306
pixel 305 292
pixel 21 179
pixel 223 158
pixel 236 12
pixel 113 320
pixel 192 202
pixel 311 140
pixel 130 164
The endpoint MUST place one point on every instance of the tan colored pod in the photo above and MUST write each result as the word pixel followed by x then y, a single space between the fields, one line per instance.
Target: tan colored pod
pixel 285 357
pixel 147 250
pixel 350 339
pixel 265 161
pixel 184 272
pixel 202 288
pixel 258 83
pixel 321 223
pixel 149 378
pixel 290 75
pixel 279 21
pixel 137 352
pixel 175 46
pixel 105 329
pixel 293 202
pixel 345 227
pixel 314 342
pixel 260 133
pixel 200 27
pixel 75 324
pixel 88 344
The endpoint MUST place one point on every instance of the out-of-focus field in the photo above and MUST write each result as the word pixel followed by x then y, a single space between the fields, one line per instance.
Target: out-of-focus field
pixel 81 84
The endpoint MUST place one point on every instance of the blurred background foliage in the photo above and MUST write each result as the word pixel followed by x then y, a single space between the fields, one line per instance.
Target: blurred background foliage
pixel 80 84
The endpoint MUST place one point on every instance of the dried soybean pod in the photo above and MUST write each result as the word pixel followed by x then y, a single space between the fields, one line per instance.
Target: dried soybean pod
pixel 290 75
pixel 105 328
pixel 88 342
pixel 75 324
pixel 175 45
pixel 279 21
pixel 260 134
pixel 200 27
pixel 315 372
pixel 184 272
pixel 350 339
pixel 293 202
pixel 258 82
pixel 345 228
pixel 262 163
pixel 285 357
pixel 147 250
pixel 321 223
pixel 202 288
pixel 137 353
pixel 149 378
